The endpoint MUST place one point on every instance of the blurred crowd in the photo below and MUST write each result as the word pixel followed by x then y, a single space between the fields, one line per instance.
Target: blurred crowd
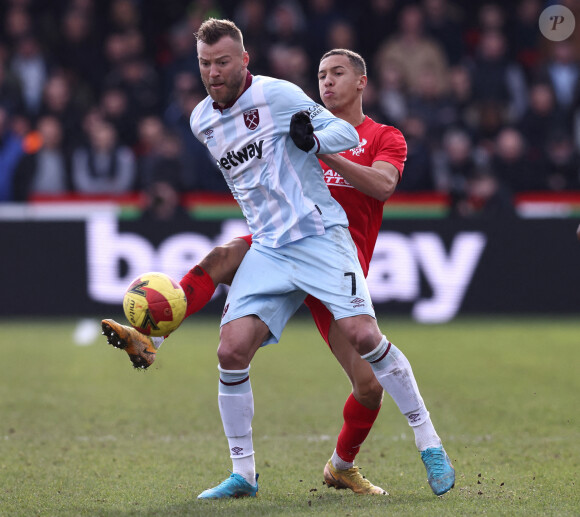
pixel 95 95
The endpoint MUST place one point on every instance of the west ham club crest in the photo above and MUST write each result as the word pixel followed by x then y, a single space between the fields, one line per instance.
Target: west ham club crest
pixel 252 119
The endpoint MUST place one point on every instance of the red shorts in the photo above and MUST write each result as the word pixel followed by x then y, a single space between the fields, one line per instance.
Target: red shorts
pixel 322 316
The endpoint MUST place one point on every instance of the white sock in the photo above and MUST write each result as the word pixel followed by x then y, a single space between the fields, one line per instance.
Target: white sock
pixel 426 436
pixel 245 466
pixel 236 403
pixel 339 464
pixel 393 370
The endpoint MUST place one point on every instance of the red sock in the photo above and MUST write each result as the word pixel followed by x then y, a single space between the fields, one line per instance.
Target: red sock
pixel 358 421
pixel 199 289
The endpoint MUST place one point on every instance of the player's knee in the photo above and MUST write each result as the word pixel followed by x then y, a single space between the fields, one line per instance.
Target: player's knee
pixel 365 339
pixel 231 358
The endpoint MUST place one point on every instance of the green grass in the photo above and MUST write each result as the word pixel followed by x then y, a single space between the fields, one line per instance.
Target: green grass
pixel 81 433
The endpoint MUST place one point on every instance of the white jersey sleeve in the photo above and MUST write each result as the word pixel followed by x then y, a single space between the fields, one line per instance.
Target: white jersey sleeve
pixel 280 188
pixel 331 132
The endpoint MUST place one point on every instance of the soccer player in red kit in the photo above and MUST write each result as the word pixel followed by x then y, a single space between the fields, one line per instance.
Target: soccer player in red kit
pixel 361 180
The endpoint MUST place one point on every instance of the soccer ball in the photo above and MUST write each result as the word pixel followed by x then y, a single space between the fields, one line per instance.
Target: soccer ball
pixel 154 304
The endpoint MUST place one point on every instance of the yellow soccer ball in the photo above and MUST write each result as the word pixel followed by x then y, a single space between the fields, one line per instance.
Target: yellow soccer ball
pixel 155 304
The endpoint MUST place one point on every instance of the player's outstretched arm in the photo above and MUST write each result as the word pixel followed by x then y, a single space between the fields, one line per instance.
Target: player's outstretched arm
pixel 378 181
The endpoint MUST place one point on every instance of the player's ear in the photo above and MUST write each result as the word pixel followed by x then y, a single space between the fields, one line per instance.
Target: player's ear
pixel 245 59
pixel 362 82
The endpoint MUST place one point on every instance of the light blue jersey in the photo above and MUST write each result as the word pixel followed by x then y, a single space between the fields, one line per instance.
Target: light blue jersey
pixel 280 188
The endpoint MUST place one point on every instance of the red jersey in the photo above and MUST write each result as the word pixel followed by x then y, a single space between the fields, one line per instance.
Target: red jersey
pixel 365 213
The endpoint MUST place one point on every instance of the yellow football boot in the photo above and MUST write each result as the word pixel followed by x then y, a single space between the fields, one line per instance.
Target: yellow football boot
pixel 138 346
pixel 350 478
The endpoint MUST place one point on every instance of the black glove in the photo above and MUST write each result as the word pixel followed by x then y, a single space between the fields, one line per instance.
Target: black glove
pixel 302 130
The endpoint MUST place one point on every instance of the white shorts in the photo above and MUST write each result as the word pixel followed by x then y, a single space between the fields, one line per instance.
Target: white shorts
pixel 272 283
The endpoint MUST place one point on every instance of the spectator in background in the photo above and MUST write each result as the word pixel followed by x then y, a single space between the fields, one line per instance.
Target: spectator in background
pixel 251 16
pixel 140 82
pixel 511 165
pixel 418 175
pixel 322 15
pixel 123 16
pixel 292 64
pixel 342 34
pixel 562 70
pixel 149 133
pixel 10 154
pixel 166 163
pixel 490 18
pixel 379 19
pixel 202 171
pixel 432 104
pixel 413 51
pixel 200 10
pixel 393 92
pixel 442 23
pixel 120 47
pixel 58 102
pixel 286 24
pixel 182 58
pixel 491 118
pixel 485 197
pixel 10 90
pixel 79 51
pixel 542 118
pixel 115 109
pixel 496 79
pixel 461 93
pixel 17 24
pixel 562 162
pixel 454 163
pixel 32 69
pixel 45 168
pixel 102 166
pixel 184 84
pixel 524 37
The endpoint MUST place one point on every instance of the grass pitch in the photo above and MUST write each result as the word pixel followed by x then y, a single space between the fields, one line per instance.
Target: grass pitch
pixel 81 433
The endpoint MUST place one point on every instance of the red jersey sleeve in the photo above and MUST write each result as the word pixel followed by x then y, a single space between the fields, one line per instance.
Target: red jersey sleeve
pixel 391 147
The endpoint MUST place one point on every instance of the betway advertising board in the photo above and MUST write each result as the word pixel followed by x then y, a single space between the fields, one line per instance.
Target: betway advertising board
pixel 432 270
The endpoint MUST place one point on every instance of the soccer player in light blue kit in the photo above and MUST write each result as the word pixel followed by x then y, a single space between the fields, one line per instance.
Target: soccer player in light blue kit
pixel 265 133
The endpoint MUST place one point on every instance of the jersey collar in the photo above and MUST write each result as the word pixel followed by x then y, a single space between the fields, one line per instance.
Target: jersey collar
pixel 249 78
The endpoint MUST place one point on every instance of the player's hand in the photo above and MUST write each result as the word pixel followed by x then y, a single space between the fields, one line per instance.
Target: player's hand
pixel 302 131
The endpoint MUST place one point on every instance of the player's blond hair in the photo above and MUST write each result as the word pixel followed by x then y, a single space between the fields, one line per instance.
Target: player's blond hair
pixel 355 59
pixel 212 30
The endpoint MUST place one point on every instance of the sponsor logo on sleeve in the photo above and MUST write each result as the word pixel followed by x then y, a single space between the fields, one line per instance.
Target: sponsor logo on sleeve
pixel 314 110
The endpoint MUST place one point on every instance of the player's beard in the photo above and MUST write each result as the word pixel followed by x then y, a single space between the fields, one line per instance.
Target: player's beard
pixel 229 91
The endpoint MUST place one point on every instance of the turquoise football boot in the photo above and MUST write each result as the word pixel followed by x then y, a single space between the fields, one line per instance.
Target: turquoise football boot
pixel 234 486
pixel 440 472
